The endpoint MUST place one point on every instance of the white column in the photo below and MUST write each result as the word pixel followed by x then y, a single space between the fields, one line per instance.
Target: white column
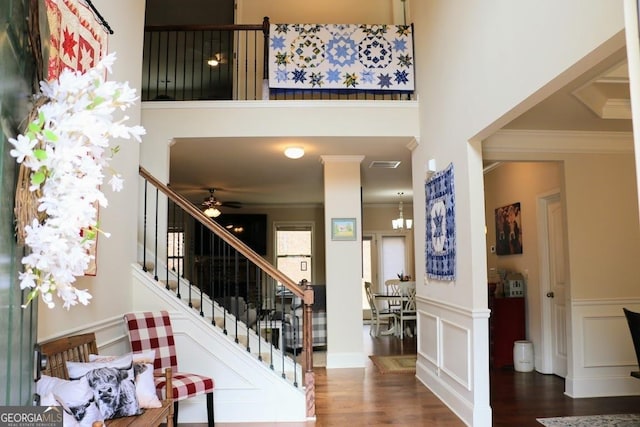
pixel 342 200
pixel 633 59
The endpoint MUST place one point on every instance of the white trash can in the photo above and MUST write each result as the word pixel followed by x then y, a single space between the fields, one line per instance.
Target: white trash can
pixel 523 356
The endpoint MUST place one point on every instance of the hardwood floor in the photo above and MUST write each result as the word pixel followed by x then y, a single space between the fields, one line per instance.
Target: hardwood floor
pixel 356 397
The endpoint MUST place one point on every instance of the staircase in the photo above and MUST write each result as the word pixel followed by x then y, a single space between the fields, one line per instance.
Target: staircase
pixel 256 381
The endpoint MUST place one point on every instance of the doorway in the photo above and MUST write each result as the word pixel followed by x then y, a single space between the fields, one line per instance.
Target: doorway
pixel 385 255
pixel 535 185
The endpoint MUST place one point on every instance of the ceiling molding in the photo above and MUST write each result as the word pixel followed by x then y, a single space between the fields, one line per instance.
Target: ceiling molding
pixel 537 141
pixel 617 109
pixel 608 94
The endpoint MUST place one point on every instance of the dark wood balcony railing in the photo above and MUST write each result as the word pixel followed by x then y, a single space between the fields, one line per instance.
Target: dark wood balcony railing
pixel 177 66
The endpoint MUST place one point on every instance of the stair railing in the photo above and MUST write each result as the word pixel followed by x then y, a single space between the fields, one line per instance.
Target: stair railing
pixel 218 275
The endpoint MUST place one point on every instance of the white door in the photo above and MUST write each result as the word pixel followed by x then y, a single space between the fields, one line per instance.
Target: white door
pixel 556 293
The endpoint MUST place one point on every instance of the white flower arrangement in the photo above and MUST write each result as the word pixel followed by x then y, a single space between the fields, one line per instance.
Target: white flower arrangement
pixel 66 149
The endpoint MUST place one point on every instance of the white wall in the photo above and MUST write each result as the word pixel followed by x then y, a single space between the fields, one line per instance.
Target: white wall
pixel 111 287
pixel 322 12
pixel 486 63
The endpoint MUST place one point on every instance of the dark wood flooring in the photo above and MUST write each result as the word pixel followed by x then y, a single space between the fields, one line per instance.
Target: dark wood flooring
pixel 356 397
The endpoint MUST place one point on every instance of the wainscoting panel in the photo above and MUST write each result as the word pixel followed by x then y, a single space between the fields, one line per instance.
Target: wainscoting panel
pixel 452 342
pixel 604 339
pixel 603 354
pixel 429 337
pixel 454 363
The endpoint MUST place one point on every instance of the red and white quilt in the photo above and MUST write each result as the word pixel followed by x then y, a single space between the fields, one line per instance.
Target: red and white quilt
pixel 77 40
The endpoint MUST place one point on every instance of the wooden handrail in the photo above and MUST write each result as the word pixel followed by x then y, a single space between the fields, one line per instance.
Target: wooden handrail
pixel 219 27
pixel 264 27
pixel 224 234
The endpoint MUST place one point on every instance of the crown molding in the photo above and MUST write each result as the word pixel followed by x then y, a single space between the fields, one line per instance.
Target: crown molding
pixel 544 141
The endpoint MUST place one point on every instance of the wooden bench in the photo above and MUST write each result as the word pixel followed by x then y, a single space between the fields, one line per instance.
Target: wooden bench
pixel 77 348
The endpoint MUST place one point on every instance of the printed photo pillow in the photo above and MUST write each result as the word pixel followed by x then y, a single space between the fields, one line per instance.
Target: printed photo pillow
pixel 50 401
pixel 112 384
pixel 143 370
pixel 77 400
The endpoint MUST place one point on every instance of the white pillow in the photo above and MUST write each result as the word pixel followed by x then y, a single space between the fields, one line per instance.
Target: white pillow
pixel 45 384
pixel 77 400
pixel 112 383
pixel 143 370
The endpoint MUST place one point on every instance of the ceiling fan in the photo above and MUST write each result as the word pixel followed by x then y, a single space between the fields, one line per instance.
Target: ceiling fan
pixel 218 58
pixel 211 204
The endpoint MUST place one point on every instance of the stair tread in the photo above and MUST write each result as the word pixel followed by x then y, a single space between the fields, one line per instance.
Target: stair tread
pixel 261 352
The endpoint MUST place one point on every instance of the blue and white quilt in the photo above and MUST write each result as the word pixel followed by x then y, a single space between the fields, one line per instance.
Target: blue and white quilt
pixel 332 56
pixel 440 239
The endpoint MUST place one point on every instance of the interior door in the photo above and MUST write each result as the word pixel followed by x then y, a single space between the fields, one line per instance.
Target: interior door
pixel 557 293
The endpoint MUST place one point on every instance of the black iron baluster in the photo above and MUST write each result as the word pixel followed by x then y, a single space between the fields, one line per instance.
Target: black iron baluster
pixel 166 263
pixel 181 250
pixel 155 255
pixel 247 302
pixel 144 227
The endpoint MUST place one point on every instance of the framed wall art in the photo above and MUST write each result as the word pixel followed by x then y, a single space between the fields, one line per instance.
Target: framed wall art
pixel 343 229
pixel 508 230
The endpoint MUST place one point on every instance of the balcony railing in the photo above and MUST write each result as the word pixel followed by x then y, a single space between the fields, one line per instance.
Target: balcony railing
pixel 222 62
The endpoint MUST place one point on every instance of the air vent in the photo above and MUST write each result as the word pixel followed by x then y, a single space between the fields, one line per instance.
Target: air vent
pixel 385 164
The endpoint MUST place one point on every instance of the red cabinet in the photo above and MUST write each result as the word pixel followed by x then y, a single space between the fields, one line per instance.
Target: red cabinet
pixel 506 325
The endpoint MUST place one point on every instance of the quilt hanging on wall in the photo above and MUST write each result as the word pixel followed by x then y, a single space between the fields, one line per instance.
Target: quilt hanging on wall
pixel 76 39
pixel 440 239
pixel 332 56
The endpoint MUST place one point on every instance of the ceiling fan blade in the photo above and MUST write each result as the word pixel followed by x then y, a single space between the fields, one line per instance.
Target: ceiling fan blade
pixel 234 205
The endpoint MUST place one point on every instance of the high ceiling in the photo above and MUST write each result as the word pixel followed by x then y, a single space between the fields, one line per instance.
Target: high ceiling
pixel 254 171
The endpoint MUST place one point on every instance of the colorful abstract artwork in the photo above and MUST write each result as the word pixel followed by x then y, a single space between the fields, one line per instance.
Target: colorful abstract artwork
pixel 440 239
pixel 356 57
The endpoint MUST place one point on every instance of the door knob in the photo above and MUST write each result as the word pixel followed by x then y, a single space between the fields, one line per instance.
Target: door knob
pixel 550 294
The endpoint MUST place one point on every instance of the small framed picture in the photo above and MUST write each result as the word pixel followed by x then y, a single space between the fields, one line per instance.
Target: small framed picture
pixel 343 229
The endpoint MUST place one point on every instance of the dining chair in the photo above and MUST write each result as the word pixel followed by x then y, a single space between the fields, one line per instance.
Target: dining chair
pixel 633 319
pixel 407 313
pixel 393 289
pixel 153 331
pixel 376 315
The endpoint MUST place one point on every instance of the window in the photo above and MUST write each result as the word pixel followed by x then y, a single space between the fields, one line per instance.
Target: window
pixel 175 251
pixel 294 253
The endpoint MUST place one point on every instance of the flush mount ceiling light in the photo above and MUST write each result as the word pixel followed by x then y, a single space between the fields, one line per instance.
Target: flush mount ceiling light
pixel 294 152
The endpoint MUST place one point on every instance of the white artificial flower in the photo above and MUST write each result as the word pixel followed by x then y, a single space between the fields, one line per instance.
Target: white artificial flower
pixel 75 129
pixel 116 182
pixel 23 147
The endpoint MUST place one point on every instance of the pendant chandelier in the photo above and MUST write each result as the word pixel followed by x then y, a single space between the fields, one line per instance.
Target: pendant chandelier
pixel 401 223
